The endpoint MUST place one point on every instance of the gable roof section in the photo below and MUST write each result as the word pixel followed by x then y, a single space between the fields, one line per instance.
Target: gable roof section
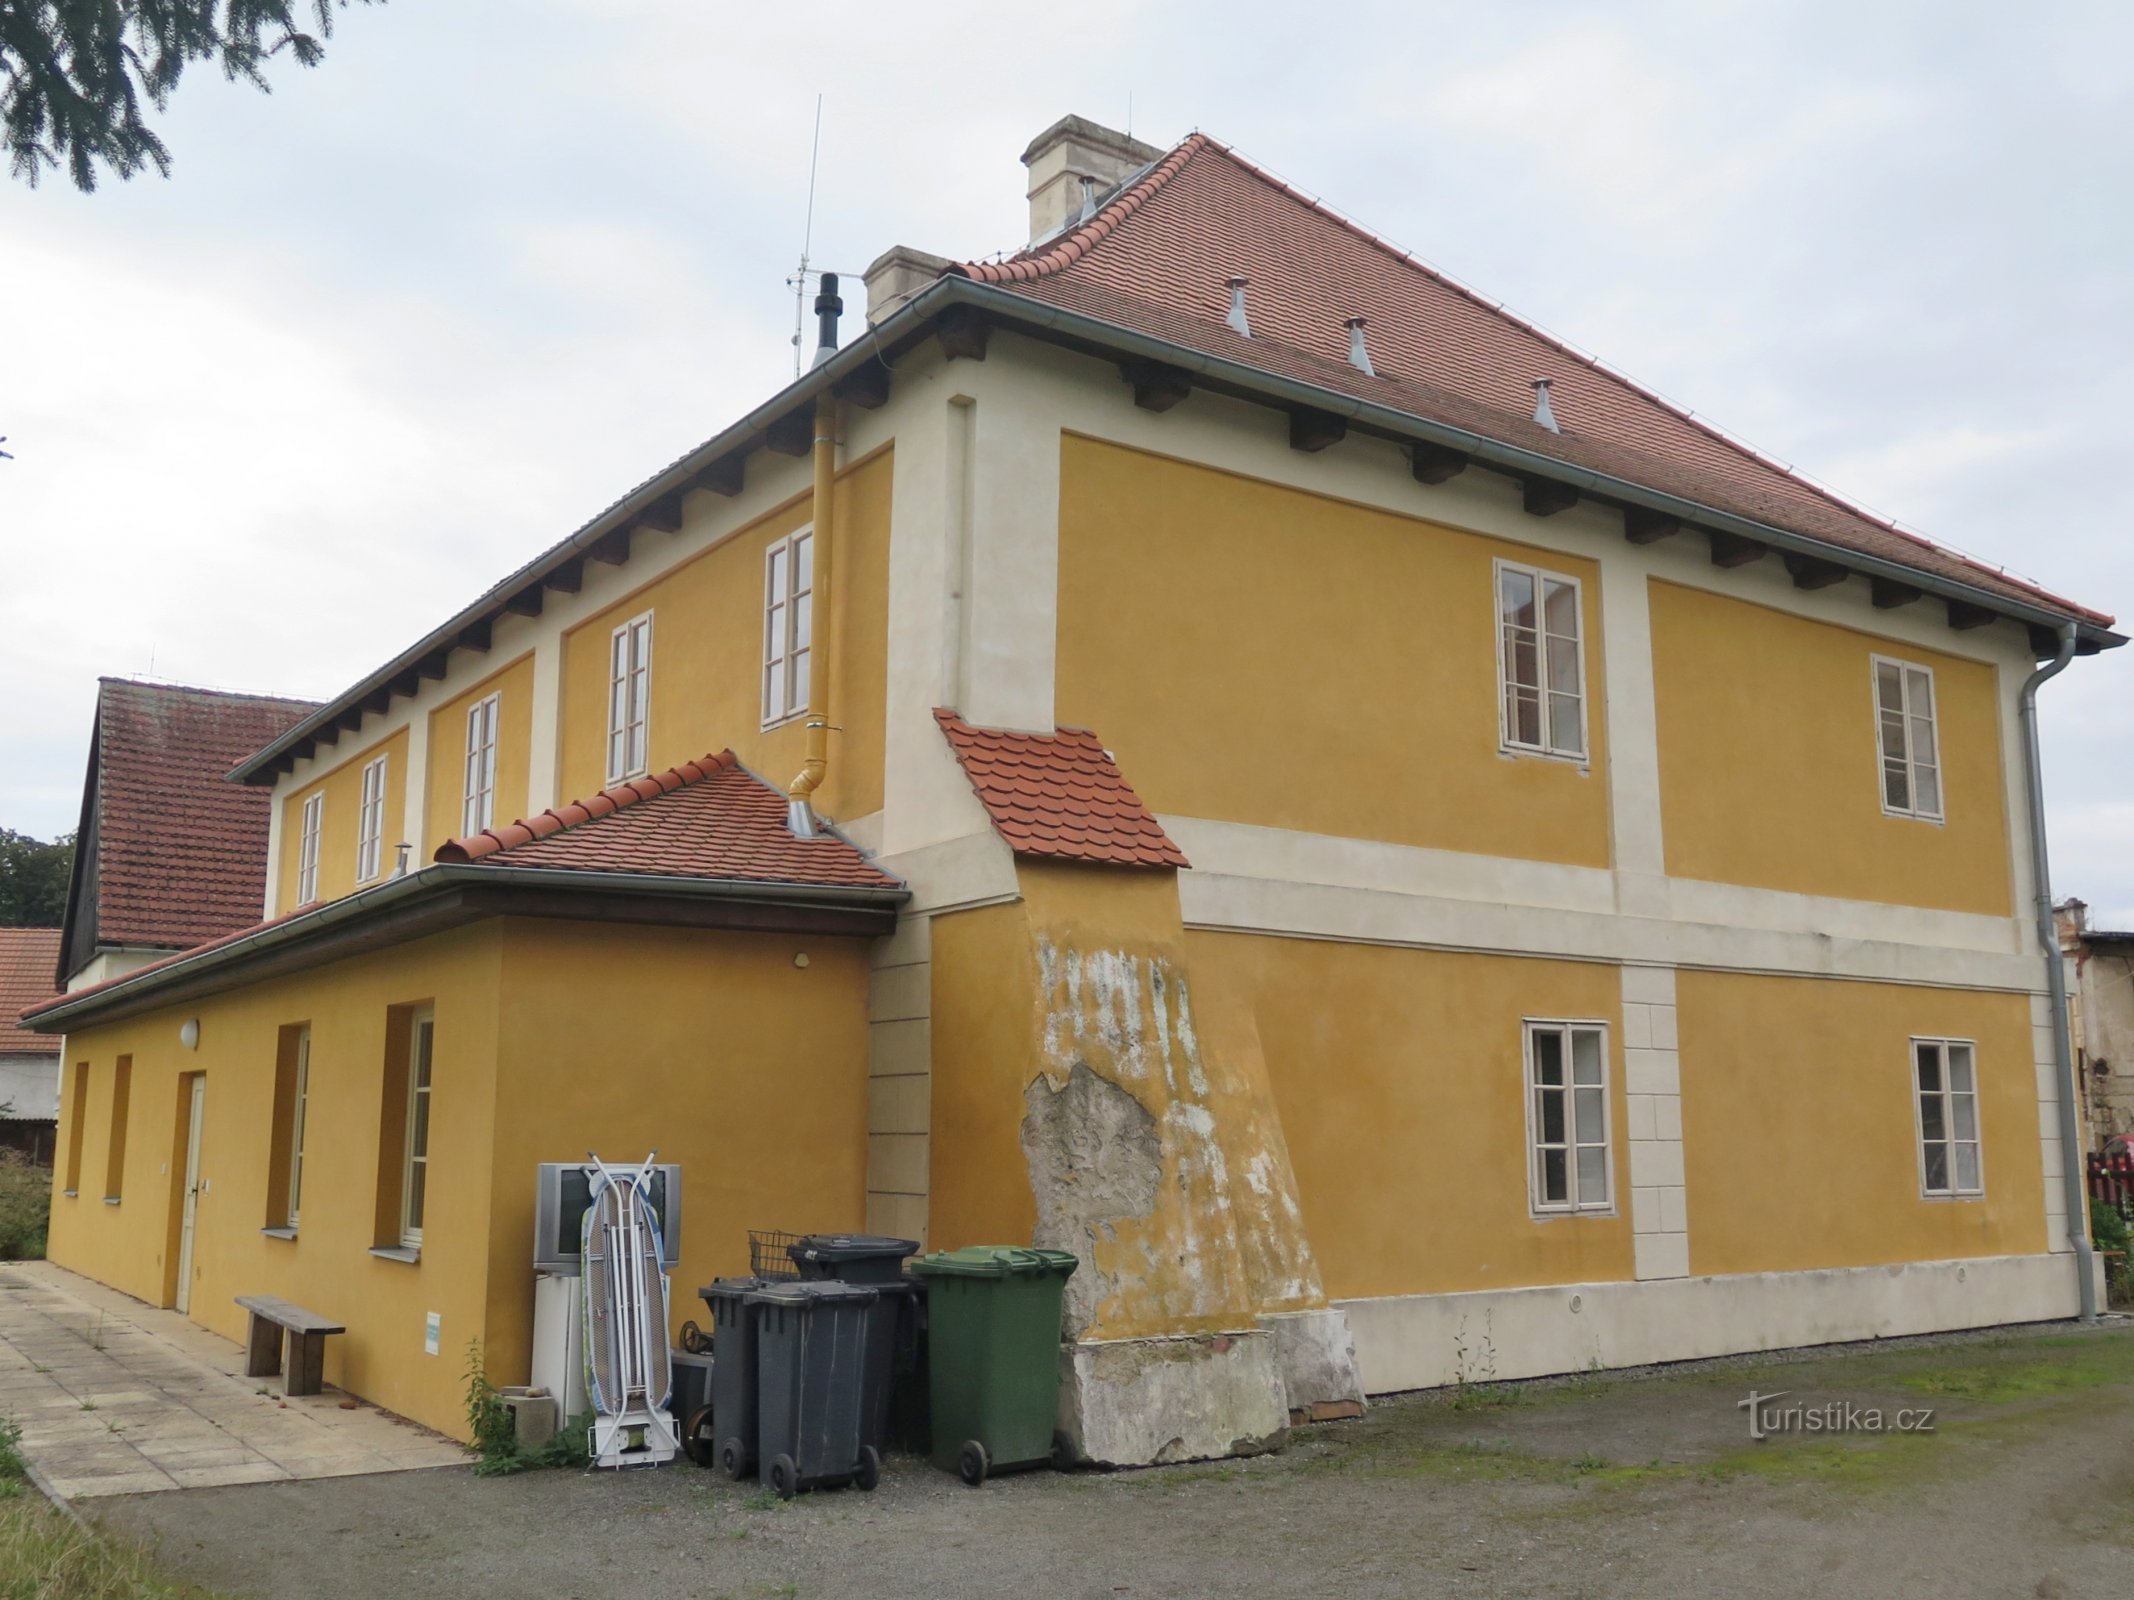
pixel 170 853
pixel 710 818
pixel 1059 794
pixel 1157 260
pixel 28 958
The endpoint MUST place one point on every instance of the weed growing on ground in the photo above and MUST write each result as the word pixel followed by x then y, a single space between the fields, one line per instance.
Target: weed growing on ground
pixel 46 1556
pixel 25 1204
pixel 496 1440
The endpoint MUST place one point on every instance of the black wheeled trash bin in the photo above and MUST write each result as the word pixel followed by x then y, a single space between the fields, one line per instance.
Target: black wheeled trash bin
pixel 691 1405
pixel 733 1372
pixel 811 1372
pixel 893 1327
pixel 852 1257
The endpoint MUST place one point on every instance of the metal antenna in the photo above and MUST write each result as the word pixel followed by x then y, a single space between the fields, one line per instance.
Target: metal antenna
pixel 807 239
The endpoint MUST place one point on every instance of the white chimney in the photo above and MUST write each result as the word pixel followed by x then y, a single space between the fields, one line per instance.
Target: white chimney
pixel 897 274
pixel 1060 158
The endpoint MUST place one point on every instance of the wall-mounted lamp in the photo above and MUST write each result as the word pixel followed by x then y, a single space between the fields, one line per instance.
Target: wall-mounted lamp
pixel 189 1033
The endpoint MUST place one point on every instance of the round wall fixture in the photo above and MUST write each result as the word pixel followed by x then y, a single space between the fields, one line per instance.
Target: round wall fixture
pixel 801 960
pixel 189 1033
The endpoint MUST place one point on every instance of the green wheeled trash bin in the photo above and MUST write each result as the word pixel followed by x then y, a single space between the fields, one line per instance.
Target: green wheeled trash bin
pixel 811 1365
pixel 993 1319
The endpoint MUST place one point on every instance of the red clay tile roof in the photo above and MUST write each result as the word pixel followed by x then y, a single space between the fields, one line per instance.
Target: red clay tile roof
pixel 1059 794
pixel 28 958
pixel 711 818
pixel 180 852
pixel 1156 260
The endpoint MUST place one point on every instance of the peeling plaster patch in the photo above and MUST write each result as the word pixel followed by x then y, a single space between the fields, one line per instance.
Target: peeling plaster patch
pixel 1095 1160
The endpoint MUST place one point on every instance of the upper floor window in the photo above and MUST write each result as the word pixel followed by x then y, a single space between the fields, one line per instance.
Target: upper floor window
pixel 1946 1075
pixel 307 850
pixel 1911 751
pixel 629 697
pixel 1541 660
pixel 1567 1078
pixel 370 822
pixel 478 809
pixel 788 625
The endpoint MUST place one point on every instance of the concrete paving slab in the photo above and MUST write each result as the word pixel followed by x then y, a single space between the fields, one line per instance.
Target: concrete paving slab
pixel 115 1397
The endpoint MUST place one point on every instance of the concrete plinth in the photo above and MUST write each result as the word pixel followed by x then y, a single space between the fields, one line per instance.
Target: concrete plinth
pixel 1315 1357
pixel 1145 1402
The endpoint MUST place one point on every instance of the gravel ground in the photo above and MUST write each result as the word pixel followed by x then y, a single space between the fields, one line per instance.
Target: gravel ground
pixel 1622 1484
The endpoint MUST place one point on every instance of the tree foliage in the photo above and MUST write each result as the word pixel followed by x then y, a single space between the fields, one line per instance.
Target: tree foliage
pixel 76 75
pixel 33 880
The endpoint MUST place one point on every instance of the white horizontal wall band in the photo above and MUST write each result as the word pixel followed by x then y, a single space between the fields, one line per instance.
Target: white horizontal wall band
pixel 1222 903
pixel 1413 1341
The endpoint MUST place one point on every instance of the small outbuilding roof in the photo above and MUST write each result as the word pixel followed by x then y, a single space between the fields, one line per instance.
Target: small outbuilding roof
pixel 28 957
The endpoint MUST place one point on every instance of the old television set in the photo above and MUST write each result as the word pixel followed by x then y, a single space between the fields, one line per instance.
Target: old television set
pixel 564 1189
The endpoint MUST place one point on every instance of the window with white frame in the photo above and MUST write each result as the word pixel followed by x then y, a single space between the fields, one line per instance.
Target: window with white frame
pixel 1911 749
pixel 299 1099
pixel 478 809
pixel 788 625
pixel 415 1175
pixel 629 697
pixel 370 823
pixel 1567 1086
pixel 1945 1072
pixel 1541 661
pixel 307 850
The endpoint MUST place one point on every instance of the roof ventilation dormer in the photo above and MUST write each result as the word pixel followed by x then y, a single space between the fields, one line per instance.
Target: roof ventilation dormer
pixel 1237 318
pixel 1542 412
pixel 1073 162
pixel 1359 356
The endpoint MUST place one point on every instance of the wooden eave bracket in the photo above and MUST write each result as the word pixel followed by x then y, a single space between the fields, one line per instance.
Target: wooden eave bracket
pixel 1812 572
pixel 1544 497
pixel 1435 463
pixel 1732 550
pixel 963 333
pixel 1156 387
pixel 1641 526
pixel 1314 430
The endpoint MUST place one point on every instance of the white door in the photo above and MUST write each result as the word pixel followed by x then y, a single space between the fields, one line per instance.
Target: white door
pixel 192 1195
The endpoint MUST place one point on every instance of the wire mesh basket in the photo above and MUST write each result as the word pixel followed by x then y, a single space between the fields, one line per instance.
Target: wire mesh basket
pixel 770 1253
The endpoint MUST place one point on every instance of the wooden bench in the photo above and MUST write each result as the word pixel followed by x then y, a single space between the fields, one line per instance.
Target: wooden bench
pixel 307 1332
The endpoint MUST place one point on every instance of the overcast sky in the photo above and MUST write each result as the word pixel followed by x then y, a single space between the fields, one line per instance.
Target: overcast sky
pixel 388 332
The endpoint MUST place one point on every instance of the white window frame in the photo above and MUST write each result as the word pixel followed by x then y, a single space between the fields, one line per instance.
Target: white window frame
pixel 370 822
pixel 1508 740
pixel 298 1105
pixel 787 661
pixel 478 802
pixel 422 1060
pixel 1908 672
pixel 1948 1096
pixel 630 699
pixel 307 849
pixel 1576 1136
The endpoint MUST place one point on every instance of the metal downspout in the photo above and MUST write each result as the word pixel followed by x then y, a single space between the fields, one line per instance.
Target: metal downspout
pixel 2071 1163
pixel 800 812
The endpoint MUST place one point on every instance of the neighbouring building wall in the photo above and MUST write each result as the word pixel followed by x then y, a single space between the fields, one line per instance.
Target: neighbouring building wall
pixel 1400 1076
pixel 1252 653
pixel 1801 1134
pixel 343 790
pixel 1769 766
pixel 443 816
pixel 2101 976
pixel 351 1156
pixel 721 1051
pixel 708 647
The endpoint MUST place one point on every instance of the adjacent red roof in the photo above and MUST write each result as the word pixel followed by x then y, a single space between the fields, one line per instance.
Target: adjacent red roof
pixel 28 958
pixel 1157 261
pixel 173 853
pixel 1059 794
pixel 710 818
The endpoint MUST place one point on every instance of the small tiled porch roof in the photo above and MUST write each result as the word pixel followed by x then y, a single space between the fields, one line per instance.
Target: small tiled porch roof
pixel 709 818
pixel 1059 794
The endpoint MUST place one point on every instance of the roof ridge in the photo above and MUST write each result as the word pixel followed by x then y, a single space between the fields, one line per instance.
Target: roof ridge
pixel 200 689
pixel 576 813
pixel 1070 247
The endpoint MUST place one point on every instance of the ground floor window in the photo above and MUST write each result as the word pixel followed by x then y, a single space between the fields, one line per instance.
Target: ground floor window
pixel 292 1097
pixel 1945 1072
pixel 1567 1083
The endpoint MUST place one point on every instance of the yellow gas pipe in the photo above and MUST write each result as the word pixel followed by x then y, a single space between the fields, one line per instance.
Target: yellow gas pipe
pixel 800 793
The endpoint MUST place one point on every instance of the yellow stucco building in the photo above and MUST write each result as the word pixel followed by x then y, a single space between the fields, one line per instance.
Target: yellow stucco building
pixel 1201 744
